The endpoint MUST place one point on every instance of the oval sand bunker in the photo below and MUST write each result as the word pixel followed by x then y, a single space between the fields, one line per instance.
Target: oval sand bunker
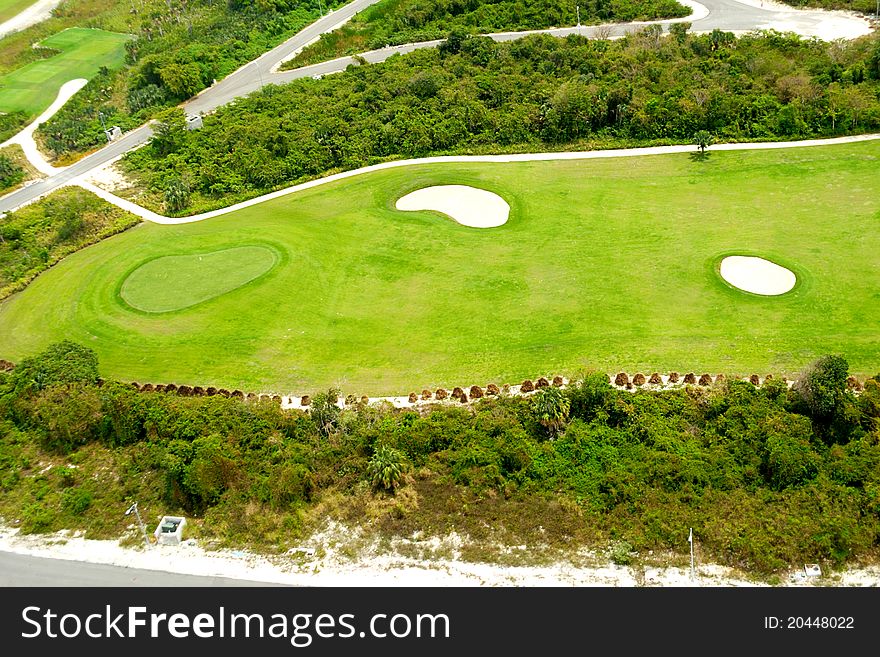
pixel 469 206
pixel 757 275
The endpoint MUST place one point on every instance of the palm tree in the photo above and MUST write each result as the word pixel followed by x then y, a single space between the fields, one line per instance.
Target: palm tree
pixel 386 468
pixel 176 195
pixel 325 411
pixel 551 405
pixel 702 139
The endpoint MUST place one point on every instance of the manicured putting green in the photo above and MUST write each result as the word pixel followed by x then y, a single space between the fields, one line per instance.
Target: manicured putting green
pixel 178 282
pixel 608 263
pixel 10 8
pixel 33 87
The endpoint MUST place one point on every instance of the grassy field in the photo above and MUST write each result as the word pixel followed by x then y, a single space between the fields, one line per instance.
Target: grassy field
pixel 10 8
pixel 609 264
pixel 33 87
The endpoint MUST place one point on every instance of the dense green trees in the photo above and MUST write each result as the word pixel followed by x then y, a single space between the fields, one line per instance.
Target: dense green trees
pixel 537 93
pixel 407 21
pixel 749 468
pixel 178 50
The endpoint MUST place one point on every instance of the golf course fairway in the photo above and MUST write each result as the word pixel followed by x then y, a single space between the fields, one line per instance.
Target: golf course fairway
pixel 610 264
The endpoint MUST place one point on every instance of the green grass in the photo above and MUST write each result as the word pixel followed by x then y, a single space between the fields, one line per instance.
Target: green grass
pixel 603 263
pixel 10 8
pixel 33 87
pixel 182 281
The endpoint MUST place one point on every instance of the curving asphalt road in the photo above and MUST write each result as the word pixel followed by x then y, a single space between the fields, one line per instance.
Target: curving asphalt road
pixel 728 15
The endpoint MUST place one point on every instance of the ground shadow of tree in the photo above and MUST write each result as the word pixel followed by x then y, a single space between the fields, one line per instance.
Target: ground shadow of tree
pixel 700 156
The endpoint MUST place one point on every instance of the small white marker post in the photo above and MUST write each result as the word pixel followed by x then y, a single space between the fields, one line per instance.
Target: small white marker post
pixel 134 507
pixel 691 541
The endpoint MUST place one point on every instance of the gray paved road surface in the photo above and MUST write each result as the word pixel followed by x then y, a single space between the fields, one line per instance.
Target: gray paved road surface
pixel 23 570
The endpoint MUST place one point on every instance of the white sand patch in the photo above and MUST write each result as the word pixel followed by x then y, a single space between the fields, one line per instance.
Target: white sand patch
pixel 109 178
pixel 25 138
pixel 757 275
pixel 827 26
pixel 36 13
pixel 469 206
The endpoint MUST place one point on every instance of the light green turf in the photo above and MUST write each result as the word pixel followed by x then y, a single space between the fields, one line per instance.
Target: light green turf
pixel 182 281
pixel 604 263
pixel 10 8
pixel 33 87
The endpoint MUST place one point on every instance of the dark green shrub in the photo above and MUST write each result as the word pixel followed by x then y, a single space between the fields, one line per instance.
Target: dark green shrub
pixel 62 363
pixel 36 519
pixel 76 501
pixel 67 416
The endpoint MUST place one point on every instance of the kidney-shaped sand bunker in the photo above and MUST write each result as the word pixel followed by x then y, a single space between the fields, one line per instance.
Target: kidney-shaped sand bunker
pixel 468 206
pixel 180 281
pixel 757 275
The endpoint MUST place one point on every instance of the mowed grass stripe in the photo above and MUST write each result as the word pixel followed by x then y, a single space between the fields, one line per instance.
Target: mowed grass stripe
pixel 604 263
pixel 33 87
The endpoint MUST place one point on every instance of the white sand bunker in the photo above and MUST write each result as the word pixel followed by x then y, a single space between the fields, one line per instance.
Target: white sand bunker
pixel 469 206
pixel 757 275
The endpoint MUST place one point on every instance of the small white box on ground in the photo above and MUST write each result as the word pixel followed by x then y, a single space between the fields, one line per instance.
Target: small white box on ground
pixel 812 570
pixel 170 530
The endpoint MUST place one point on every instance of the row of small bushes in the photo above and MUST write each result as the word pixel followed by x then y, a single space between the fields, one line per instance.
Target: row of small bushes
pixel 621 380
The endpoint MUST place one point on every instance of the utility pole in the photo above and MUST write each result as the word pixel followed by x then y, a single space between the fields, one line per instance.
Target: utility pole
pixel 691 541
pixel 134 508
pixel 103 125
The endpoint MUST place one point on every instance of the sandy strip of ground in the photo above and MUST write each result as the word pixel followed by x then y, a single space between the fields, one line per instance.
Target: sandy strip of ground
pixel 469 206
pixel 25 138
pixel 149 215
pixel 36 13
pixel 332 565
pixel 757 275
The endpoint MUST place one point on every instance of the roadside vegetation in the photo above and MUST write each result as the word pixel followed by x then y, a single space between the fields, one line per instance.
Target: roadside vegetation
pixel 14 169
pixel 37 236
pixel 868 7
pixel 393 22
pixel 769 478
pixel 535 94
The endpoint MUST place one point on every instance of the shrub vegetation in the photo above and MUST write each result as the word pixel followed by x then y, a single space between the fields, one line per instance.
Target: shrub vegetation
pixel 763 477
